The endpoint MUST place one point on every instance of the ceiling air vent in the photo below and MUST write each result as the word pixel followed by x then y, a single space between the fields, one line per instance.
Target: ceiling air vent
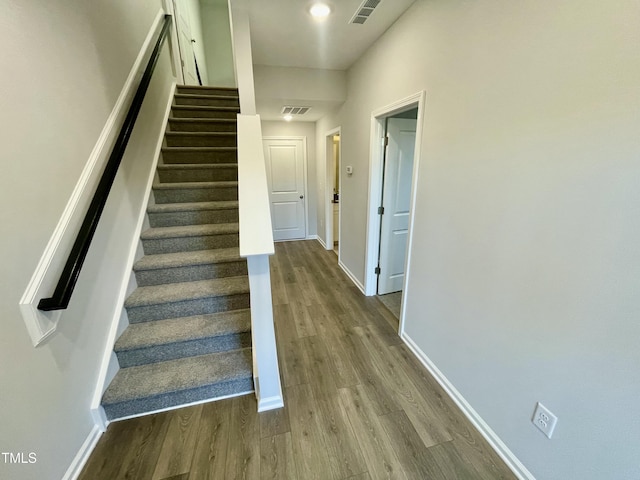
pixel 289 110
pixel 364 11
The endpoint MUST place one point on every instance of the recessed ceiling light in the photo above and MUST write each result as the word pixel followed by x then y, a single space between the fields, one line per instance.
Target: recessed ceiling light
pixel 320 10
pixel 288 117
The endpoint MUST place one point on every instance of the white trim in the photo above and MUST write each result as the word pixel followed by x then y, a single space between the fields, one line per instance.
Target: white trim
pixel 256 233
pixel 328 190
pixel 271 403
pixel 96 408
pixel 79 461
pixel 174 49
pixel 183 405
pixel 305 178
pixel 41 325
pixel 375 186
pixel 311 237
pixel 321 242
pixel 353 278
pixel 489 435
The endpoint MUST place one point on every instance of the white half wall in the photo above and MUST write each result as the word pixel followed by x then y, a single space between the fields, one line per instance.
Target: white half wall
pixel 524 281
pixel 301 129
pixel 73 59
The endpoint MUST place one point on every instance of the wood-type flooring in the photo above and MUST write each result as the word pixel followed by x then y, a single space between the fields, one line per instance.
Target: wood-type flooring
pixel 358 405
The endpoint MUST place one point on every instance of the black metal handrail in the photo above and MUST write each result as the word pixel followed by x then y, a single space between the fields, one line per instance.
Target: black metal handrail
pixel 71 272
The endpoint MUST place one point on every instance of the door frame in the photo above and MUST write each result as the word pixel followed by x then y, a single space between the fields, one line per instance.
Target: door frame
pixel 304 179
pixel 328 189
pixel 376 164
pixel 174 48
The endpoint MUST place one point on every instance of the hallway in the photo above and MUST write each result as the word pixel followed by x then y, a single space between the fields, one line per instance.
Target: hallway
pixel 358 404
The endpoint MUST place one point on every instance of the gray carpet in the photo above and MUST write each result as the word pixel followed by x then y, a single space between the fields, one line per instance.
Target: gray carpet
pixel 189 337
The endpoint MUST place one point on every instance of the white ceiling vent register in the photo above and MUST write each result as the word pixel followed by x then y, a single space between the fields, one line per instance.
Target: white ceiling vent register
pixel 289 110
pixel 364 11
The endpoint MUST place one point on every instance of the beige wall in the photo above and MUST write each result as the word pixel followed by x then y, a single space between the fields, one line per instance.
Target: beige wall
pixel 217 43
pixel 300 129
pixel 68 61
pixel 524 269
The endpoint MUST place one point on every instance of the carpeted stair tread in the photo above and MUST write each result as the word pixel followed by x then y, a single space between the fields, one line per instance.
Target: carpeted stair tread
pixel 200 108
pixel 197 166
pixel 201 134
pixel 198 149
pixel 191 206
pixel 187 291
pixel 190 231
pixel 192 185
pixel 203 120
pixel 195 96
pixel 182 259
pixel 182 374
pixel 174 330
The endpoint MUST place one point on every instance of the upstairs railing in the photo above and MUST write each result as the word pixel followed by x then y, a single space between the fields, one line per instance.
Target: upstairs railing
pixel 256 234
pixel 71 271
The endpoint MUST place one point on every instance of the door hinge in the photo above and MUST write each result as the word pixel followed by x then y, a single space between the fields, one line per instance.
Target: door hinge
pixel 377 271
pixel 380 210
pixel 386 141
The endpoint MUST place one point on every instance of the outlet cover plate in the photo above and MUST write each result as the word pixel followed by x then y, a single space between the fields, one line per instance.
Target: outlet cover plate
pixel 544 420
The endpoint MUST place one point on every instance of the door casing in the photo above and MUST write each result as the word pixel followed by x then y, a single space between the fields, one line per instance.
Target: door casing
pixel 376 162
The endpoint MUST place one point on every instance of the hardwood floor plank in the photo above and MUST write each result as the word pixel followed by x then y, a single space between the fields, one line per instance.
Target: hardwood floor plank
pixel 274 422
pixel 278 290
pixel 376 447
pixel 409 447
pixel 316 361
pixel 290 352
pixel 142 456
pixel 383 400
pixel 210 455
pixel 362 476
pixel 307 289
pixel 312 462
pixel 426 422
pixel 341 443
pixel 451 464
pixel 120 439
pixel 300 313
pixel 276 458
pixel 179 443
pixel 243 452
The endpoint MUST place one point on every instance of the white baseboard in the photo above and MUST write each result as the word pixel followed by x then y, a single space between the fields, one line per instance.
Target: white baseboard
pixel 124 284
pixel 351 276
pixel 83 455
pixel 489 435
pixel 321 242
pixel 41 325
pixel 271 403
pixel 311 237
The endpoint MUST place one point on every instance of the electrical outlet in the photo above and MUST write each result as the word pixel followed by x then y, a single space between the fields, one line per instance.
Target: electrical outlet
pixel 544 419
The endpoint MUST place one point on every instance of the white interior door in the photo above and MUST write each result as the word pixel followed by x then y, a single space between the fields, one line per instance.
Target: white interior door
pixel 396 199
pixel 187 58
pixel 285 164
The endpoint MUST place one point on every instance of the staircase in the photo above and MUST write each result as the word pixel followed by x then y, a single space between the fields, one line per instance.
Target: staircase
pixel 189 336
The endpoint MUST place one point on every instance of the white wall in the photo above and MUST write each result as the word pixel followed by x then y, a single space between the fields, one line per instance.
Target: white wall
pixel 217 43
pixel 195 17
pixel 524 269
pixel 69 61
pixel 301 129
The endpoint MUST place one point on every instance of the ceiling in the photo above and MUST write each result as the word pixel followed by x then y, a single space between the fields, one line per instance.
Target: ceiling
pixel 283 33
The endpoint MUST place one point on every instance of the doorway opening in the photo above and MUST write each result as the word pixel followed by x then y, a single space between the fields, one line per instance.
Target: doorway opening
pixel 394 165
pixel 332 190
